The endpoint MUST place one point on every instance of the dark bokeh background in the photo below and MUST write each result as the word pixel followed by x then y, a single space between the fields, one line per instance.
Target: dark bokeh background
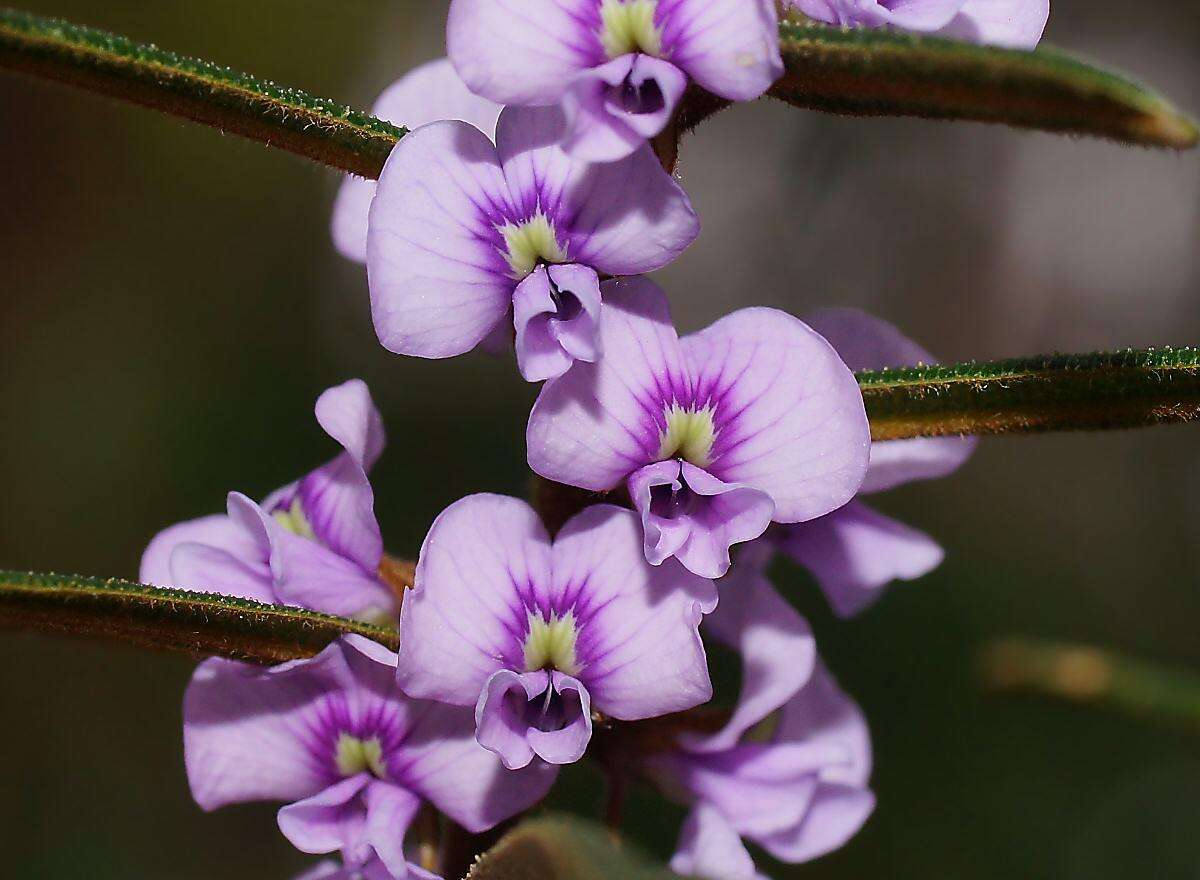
pixel 171 308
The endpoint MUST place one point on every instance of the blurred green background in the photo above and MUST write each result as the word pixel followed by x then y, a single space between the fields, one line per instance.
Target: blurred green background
pixel 172 307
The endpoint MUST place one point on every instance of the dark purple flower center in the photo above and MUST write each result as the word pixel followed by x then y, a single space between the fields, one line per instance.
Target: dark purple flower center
pixel 641 98
pixel 548 712
pixel 566 303
pixel 670 502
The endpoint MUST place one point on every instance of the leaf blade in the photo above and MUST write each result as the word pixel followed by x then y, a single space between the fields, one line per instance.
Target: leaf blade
pixel 199 624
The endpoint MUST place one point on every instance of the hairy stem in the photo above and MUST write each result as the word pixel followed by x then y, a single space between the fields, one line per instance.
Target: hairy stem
pixel 1093 676
pixel 199 624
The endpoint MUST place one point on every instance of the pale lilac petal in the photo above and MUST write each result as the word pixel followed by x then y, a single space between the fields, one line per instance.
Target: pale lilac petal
pixel 615 108
pixel 835 814
pixel 439 282
pixel 731 47
pixel 567 743
pixel 543 714
pixel 639 648
pixel 556 311
pixel 620 218
pixel 329 820
pixel 1013 24
pixel 465 617
pixel 425 94
pixel 911 15
pixel 822 714
pixel 447 767
pixel 522 51
pixel 710 847
pixel 390 811
pixel 501 726
pixel 789 414
pixel 217 532
pixel 206 569
pixel 241 737
pixel 691 515
pixel 600 422
pixel 868 343
pixel 776 646
pixel 855 552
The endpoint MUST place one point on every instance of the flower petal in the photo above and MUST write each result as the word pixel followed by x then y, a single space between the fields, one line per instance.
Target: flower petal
pixel 1013 24
pixel 330 820
pixel 865 342
pixel 567 744
pixel 731 47
pixel 217 532
pixel 522 51
pixel 909 15
pixel 613 109
pixel 390 811
pixel 789 414
pixel 596 424
pixel 500 715
pixel 835 814
pixel 465 617
pixel 855 552
pixel 822 714
pixel 709 847
pixel 425 94
pixel 776 646
pixel 638 648
pixel 556 311
pixel 439 282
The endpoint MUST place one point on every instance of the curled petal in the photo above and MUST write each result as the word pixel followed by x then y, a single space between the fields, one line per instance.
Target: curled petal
pixel 438 280
pixel 613 109
pixel 556 311
pixel 213 554
pixel 909 15
pixel 390 811
pixel 822 714
pixel 788 413
pixel 639 651
pixel 523 715
pixel 425 94
pixel 596 424
pixel 522 51
pixel 855 552
pixel 332 819
pixel 710 847
pixel 465 616
pixel 731 47
pixel 835 814
pixel 1013 24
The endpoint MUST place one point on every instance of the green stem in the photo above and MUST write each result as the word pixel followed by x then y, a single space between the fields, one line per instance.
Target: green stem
pixel 1092 676
pixel 199 624
pixel 286 118
pixel 1125 389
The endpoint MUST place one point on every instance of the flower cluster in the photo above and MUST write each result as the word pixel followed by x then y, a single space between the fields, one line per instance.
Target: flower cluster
pixel 532 225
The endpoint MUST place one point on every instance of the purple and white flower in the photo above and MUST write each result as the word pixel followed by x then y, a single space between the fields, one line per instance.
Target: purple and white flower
pixel 789 770
pixel 1014 24
pixel 539 635
pixel 855 551
pixel 752 420
pixel 617 67
pixel 463 233
pixel 314 543
pixel 354 758
pixel 428 93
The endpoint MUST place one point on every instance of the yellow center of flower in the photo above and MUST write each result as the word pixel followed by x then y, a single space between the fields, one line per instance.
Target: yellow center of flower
pixel 294 520
pixel 689 435
pixel 550 644
pixel 355 755
pixel 529 243
pixel 628 26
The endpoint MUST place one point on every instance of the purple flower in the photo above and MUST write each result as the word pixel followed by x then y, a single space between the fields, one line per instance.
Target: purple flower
pixel 354 758
pixel 752 420
pixel 538 635
pixel 1016 24
pixel 789 770
pixel 855 551
pixel 425 94
pixel 314 543
pixel 618 67
pixel 463 233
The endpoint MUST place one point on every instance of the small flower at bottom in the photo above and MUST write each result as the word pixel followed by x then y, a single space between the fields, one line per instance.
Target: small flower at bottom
pixel 618 67
pixel 464 234
pixel 355 758
pixel 855 551
pixel 539 635
pixel 314 543
pixel 1015 24
pixel 789 770
pixel 752 420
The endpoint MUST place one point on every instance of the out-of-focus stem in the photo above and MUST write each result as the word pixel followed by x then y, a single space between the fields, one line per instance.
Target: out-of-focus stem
pixel 1093 676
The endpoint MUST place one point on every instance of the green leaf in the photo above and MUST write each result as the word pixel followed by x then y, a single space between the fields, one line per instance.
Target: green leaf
pixel 1125 389
pixel 286 118
pixel 563 848
pixel 880 73
pixel 199 624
